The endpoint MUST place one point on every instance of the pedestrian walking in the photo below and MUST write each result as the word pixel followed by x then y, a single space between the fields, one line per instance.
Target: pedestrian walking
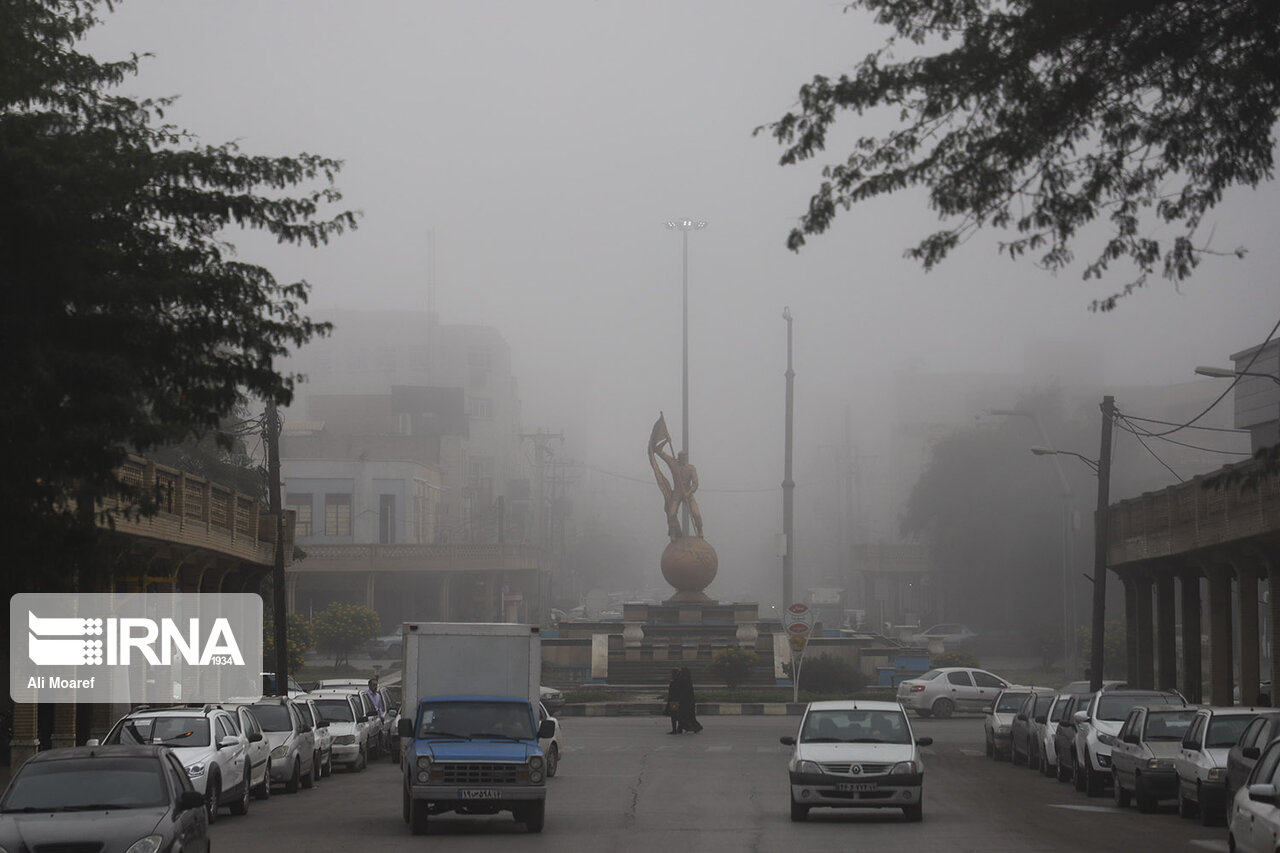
pixel 673 702
pixel 686 718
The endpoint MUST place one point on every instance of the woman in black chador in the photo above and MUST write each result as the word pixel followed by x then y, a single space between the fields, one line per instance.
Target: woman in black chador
pixel 673 701
pixel 685 717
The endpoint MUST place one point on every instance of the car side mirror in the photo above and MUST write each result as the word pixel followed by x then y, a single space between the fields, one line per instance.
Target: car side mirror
pixel 787 740
pixel 924 741
pixel 1263 794
pixel 547 729
pixel 1080 716
pixel 1131 738
pixel 323 724
pixel 1022 717
pixel 1041 719
pixel 255 737
pixel 989 709
pixel 1250 752
pixel 229 740
pixel 93 741
pixel 405 727
pixel 188 800
pixel 304 728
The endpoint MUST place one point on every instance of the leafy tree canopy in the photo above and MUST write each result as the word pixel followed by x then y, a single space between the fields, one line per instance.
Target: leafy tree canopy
pixel 340 627
pixel 1040 117
pixel 127 320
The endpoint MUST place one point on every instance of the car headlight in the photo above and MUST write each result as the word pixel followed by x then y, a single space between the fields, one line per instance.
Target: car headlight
pixel 904 768
pixel 343 740
pixel 1002 730
pixel 535 762
pixel 1159 763
pixel 424 762
pixel 196 769
pixel 1216 774
pixel 1109 740
pixel 535 777
pixel 808 767
pixel 280 751
pixel 150 844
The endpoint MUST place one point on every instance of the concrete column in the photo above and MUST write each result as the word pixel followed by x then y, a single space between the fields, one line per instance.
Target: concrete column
pixel 1166 630
pixel 1145 630
pixel 1131 668
pixel 1247 630
pixel 369 582
pixel 1189 580
pixel 26 735
pixel 64 725
pixel 1220 664
pixel 1268 562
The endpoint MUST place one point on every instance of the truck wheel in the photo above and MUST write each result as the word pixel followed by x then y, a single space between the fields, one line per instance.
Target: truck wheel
pixel 533 815
pixel 418 816
pixel 553 760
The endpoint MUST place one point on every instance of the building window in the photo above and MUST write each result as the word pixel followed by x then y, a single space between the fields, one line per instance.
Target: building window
pixel 480 408
pixel 387 519
pixel 301 506
pixel 337 515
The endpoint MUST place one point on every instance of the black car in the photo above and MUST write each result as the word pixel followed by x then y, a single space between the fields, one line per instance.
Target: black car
pixel 105 798
pixel 1064 739
pixel 1241 757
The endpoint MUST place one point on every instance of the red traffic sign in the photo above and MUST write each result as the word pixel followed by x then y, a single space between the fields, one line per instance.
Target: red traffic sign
pixel 799 609
pixel 799 628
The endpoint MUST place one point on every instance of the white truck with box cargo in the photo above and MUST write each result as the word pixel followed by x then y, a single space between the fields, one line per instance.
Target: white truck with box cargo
pixel 468 722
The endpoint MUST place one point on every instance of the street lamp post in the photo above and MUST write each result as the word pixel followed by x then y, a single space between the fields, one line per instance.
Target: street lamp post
pixel 1101 524
pixel 1069 661
pixel 788 484
pixel 684 226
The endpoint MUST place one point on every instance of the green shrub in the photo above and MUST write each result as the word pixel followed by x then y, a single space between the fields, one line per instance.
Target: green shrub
pixel 828 674
pixel 340 627
pixel 954 658
pixel 733 665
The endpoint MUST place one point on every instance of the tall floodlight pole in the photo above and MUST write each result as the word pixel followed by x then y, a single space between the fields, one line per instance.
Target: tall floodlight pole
pixel 1102 534
pixel 788 485
pixel 279 604
pixel 684 226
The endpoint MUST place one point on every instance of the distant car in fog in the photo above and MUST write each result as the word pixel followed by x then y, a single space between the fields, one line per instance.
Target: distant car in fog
pixel 946 633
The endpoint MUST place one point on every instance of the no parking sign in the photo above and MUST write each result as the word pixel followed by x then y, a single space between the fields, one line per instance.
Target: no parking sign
pixel 798 622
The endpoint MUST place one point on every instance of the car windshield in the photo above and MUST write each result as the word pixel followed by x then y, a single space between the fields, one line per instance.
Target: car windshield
pixel 87 784
pixel 1116 708
pixel 1008 703
pixel 855 726
pixel 336 710
pixel 473 719
pixel 272 718
pixel 1168 725
pixel 1224 731
pixel 175 732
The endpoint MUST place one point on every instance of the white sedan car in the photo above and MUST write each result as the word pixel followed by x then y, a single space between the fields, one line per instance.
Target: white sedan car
pixel 552 747
pixel 856 754
pixel 1253 816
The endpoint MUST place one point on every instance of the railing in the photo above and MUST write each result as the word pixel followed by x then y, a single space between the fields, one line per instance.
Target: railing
pixel 194 511
pixel 1189 516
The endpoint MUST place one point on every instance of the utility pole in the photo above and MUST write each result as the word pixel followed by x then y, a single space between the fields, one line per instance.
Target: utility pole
pixel 272 428
pixel 788 484
pixel 1101 533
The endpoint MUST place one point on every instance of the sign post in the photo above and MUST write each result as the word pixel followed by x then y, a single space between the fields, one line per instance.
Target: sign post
pixel 799 624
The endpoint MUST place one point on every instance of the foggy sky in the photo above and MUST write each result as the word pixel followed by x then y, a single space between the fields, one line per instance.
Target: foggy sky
pixel 545 144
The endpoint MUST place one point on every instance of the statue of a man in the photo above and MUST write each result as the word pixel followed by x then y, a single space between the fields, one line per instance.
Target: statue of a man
pixel 684 480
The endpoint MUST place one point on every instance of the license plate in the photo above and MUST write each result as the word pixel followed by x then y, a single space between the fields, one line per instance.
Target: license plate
pixel 856 786
pixel 479 794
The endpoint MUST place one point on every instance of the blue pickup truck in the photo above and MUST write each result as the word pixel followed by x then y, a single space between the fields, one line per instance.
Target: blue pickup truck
pixel 474 755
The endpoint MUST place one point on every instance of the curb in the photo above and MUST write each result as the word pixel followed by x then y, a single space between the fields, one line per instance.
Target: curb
pixel 703 709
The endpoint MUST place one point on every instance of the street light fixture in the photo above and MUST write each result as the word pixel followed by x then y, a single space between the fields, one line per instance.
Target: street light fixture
pixel 1046 451
pixel 1228 373
pixel 684 226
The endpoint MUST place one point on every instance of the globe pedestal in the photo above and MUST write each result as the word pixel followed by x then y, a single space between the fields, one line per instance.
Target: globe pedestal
pixel 689 564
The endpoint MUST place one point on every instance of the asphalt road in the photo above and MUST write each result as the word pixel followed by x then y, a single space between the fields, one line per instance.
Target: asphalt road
pixel 625 785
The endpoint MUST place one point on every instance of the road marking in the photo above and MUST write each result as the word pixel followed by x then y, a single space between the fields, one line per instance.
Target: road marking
pixel 1216 846
pixel 972 752
pixel 1076 808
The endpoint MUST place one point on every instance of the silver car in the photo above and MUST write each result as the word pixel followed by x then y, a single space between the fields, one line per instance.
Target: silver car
pixel 856 754
pixel 347 726
pixel 1142 756
pixel 943 691
pixel 320 728
pixel 293 745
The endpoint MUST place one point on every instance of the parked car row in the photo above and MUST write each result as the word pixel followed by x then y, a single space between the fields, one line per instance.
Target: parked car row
pixel 1220 765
